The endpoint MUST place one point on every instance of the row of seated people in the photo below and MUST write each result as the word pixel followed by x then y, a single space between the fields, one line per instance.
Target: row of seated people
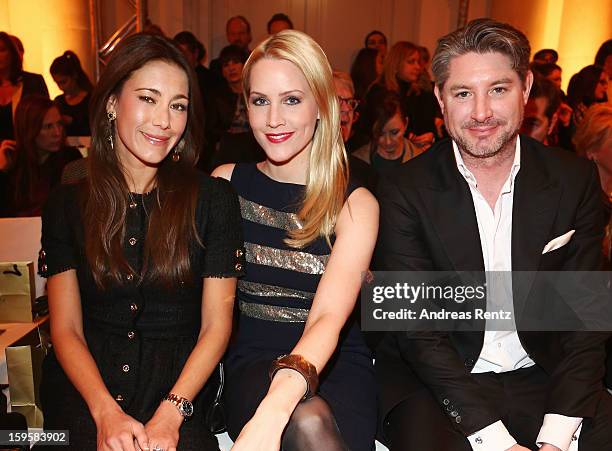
pixel 138 304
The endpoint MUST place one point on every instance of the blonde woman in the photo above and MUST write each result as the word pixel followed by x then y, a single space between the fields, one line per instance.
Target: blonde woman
pixel 309 236
pixel 593 139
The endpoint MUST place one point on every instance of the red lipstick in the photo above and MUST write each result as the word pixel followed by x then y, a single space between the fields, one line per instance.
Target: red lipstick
pixel 277 138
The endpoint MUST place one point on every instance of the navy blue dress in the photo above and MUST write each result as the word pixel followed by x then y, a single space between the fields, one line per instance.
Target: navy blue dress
pixel 274 299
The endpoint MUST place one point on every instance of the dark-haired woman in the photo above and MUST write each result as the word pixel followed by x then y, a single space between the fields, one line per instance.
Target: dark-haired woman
pixel 15 84
pixel 70 77
pixel 31 166
pixel 389 147
pixel 366 68
pixel 141 258
pixel 587 87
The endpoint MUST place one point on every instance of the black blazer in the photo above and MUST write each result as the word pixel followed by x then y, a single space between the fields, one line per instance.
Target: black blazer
pixel 428 223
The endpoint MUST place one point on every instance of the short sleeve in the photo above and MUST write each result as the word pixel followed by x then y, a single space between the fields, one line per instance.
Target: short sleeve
pixel 223 244
pixel 58 245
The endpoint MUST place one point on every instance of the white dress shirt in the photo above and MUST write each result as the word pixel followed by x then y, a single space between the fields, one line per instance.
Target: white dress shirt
pixel 502 350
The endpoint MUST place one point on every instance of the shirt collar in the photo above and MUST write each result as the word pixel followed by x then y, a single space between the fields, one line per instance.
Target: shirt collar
pixel 469 177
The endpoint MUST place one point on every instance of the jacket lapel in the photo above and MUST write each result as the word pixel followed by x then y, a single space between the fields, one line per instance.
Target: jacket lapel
pixel 536 200
pixel 450 208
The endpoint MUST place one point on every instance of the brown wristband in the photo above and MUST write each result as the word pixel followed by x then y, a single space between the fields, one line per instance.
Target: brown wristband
pixel 298 363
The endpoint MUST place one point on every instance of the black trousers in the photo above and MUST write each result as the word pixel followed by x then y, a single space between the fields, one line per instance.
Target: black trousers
pixel 419 424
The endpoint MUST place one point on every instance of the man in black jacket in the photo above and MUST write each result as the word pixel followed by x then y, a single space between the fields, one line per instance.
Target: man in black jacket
pixel 491 200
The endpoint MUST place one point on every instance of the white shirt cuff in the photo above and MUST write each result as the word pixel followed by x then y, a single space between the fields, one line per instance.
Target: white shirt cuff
pixel 494 437
pixel 560 431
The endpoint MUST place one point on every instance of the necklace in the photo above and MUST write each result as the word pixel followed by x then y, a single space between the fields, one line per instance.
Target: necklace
pixel 132 203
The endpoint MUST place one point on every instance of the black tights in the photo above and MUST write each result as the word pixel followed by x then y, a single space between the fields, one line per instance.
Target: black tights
pixel 312 426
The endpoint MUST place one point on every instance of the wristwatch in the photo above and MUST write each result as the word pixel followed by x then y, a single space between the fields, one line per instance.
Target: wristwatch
pixel 183 405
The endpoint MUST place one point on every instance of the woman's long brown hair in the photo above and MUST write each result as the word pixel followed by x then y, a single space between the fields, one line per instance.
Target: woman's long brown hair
pixel 171 226
pixel 29 118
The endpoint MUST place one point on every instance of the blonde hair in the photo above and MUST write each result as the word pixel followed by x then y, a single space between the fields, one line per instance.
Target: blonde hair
pixel 400 51
pixel 327 175
pixel 594 129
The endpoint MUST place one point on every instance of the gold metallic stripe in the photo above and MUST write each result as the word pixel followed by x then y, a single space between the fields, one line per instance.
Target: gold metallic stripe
pixel 274 312
pixel 268 216
pixel 263 289
pixel 285 259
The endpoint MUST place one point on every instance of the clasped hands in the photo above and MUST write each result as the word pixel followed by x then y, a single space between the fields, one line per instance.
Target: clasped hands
pixel 117 431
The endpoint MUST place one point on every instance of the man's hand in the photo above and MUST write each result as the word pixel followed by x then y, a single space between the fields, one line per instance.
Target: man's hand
pixel 518 447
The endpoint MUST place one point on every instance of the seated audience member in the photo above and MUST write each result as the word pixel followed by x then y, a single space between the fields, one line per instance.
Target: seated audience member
pixel 19 45
pixel 376 40
pixel 483 201
pixel 400 75
pixel 425 81
pixel 15 84
pixel 230 109
pixel 365 70
pixel 388 148
pixel 359 170
pixel 279 22
pixel 603 58
pixel 564 127
pixel 195 52
pixel 73 104
pixel 546 56
pixel 141 260
pixel 540 116
pixel 238 33
pixel 231 131
pixel 33 163
pixel 309 235
pixel 593 139
pixel 585 88
pixel 550 71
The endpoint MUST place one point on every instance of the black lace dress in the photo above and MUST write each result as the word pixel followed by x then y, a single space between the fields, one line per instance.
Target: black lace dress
pixel 274 299
pixel 140 334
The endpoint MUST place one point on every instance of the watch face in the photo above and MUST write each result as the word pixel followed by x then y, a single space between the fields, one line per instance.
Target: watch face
pixel 186 408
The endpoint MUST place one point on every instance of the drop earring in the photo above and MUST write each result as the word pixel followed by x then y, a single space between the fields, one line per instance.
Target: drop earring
pixel 176 153
pixel 111 115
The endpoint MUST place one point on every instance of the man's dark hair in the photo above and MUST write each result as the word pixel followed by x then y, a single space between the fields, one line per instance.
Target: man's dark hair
pixel 541 55
pixel 280 17
pixel 602 54
pixel 545 88
pixel 242 19
pixel 188 39
pixel 232 53
pixel 545 69
pixel 372 33
pixel 481 36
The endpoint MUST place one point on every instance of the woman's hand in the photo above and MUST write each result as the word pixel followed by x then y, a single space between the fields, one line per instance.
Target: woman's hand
pixel 118 431
pixel 263 432
pixel 7 147
pixel 423 141
pixel 163 428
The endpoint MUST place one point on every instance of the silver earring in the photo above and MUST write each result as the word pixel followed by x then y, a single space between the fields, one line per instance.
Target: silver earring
pixel 111 115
